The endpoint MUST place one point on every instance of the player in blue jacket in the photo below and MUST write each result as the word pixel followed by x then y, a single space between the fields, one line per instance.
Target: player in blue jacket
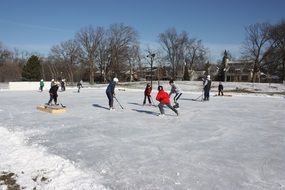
pixel 110 92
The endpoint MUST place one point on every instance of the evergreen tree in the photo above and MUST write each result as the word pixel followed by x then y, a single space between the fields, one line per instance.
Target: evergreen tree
pixel 186 75
pixel 207 68
pixel 32 69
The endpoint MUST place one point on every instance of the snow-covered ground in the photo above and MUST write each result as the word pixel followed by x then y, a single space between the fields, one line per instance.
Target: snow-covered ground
pixel 232 143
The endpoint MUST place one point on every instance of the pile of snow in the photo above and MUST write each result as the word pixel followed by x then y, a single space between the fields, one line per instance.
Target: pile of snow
pixel 32 167
pixel 4 86
pixel 187 86
pixel 233 87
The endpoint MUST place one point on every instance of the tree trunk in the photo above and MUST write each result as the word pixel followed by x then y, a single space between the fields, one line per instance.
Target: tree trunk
pixel 91 75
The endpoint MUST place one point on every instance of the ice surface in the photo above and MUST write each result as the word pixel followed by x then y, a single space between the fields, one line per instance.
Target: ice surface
pixel 233 142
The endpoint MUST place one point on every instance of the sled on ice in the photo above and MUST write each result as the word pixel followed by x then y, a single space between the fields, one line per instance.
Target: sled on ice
pixel 51 108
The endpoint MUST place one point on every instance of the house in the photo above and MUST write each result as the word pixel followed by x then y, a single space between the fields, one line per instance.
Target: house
pixel 239 71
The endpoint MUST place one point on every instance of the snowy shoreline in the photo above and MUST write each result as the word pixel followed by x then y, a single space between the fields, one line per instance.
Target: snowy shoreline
pixel 33 168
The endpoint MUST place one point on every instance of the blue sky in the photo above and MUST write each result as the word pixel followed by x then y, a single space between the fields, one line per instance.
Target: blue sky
pixel 37 25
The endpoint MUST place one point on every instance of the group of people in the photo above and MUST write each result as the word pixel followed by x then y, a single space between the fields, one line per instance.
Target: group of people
pixel 207 87
pixel 62 84
pixel 162 97
pixel 54 86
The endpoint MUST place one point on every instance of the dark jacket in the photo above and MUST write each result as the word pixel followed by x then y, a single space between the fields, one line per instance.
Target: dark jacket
pixel 53 90
pixel 220 87
pixel 207 85
pixel 79 84
pixel 111 88
pixel 62 83
pixel 147 90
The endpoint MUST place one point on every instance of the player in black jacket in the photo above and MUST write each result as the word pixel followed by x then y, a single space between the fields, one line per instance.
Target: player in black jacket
pixel 53 94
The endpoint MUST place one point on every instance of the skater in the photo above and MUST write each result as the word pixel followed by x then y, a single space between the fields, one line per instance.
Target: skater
pixel 147 94
pixel 42 84
pixel 79 85
pixel 175 90
pixel 62 83
pixel 207 88
pixel 221 89
pixel 53 93
pixel 163 99
pixel 110 92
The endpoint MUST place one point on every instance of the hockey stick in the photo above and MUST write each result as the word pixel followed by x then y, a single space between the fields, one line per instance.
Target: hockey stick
pixel 152 103
pixel 198 98
pixel 118 102
pixel 202 96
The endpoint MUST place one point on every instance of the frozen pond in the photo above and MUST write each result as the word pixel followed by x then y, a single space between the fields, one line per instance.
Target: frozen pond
pixel 233 142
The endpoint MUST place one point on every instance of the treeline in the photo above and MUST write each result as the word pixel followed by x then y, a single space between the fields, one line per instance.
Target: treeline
pixel 99 54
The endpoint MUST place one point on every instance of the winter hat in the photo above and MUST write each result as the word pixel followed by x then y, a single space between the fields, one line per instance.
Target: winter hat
pixel 208 77
pixel 159 88
pixel 116 79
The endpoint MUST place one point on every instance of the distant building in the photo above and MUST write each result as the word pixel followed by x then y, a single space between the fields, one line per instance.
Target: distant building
pixel 239 71
pixel 236 71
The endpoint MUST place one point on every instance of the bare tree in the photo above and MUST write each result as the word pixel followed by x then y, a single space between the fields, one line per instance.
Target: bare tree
pixel 195 54
pixel 89 40
pixel 256 46
pixel 133 59
pixel 53 68
pixel 122 42
pixel 66 53
pixel 174 45
pixel 103 59
pixel 277 36
pixel 9 69
pixel 5 54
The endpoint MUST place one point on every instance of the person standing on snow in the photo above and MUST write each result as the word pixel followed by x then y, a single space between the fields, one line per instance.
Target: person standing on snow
pixel 221 89
pixel 53 93
pixel 175 90
pixel 110 92
pixel 147 93
pixel 42 84
pixel 163 99
pixel 79 85
pixel 207 88
pixel 62 83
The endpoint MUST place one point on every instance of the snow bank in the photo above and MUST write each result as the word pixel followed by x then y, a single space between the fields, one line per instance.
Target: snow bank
pixel 34 168
pixel 230 87
pixel 27 85
pixel 186 86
